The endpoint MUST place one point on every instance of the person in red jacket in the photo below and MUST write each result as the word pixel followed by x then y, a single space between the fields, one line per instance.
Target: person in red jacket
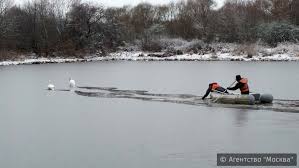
pixel 214 87
pixel 242 85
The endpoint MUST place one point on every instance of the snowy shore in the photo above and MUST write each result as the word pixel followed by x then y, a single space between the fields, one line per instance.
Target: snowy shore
pixel 140 56
pixel 280 53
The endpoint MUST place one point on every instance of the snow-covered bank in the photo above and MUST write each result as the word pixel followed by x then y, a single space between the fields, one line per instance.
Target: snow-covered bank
pixel 139 56
pixel 219 52
pixel 40 61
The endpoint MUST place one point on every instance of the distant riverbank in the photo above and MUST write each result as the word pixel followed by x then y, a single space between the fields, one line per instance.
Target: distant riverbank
pixel 214 52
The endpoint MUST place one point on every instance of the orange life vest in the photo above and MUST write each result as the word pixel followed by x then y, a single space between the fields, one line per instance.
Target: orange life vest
pixel 245 87
pixel 214 86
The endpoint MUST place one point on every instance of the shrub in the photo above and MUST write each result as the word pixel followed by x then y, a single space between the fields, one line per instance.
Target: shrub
pixel 276 32
pixel 151 45
pixel 8 55
pixel 68 48
pixel 248 49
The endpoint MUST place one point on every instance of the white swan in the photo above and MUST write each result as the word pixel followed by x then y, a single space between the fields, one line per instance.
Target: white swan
pixel 51 86
pixel 72 83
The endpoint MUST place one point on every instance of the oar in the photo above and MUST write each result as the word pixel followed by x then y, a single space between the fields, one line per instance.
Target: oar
pixel 232 84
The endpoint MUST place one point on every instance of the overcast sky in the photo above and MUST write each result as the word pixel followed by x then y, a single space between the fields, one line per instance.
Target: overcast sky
pixel 120 3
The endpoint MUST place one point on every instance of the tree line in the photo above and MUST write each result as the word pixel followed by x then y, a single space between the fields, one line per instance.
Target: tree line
pixel 69 27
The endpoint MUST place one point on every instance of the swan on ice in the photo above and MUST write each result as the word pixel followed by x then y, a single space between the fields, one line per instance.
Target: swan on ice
pixel 72 83
pixel 51 86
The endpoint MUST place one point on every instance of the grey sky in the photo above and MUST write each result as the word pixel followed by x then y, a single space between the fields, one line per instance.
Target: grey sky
pixel 119 3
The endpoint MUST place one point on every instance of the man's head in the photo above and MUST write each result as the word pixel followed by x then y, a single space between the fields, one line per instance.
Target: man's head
pixel 238 78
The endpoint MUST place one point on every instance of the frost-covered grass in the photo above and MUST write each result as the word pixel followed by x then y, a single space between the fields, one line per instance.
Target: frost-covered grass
pixel 282 48
pixel 194 50
pixel 180 44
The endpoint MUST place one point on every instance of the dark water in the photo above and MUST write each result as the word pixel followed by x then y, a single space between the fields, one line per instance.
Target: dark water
pixel 65 129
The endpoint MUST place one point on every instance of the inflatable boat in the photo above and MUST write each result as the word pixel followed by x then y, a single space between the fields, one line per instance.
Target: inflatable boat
pixel 250 99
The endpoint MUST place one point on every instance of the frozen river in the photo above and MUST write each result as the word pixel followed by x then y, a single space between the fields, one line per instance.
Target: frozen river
pixel 110 124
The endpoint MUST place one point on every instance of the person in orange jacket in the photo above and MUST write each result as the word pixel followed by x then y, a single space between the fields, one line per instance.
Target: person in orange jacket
pixel 242 85
pixel 214 87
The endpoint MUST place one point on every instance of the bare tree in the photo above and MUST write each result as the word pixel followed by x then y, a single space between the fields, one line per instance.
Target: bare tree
pixel 83 20
pixel 280 9
pixel 200 11
pixel 294 11
pixel 143 17
pixel 5 23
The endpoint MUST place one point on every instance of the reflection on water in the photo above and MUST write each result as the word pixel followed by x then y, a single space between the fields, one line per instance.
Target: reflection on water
pixel 189 99
pixel 241 116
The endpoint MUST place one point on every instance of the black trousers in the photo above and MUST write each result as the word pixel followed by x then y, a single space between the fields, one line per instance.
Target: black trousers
pixel 245 92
